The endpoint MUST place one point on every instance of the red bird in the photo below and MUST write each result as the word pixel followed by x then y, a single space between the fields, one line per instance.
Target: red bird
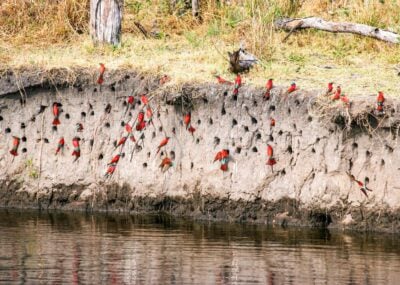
pixel 223 81
pixel 379 102
pixel 238 84
pixel 224 167
pixel 121 141
pixel 149 113
pixel 269 84
pixel 272 122
pixel 186 119
pixel 130 100
pixel 140 126
pixel 166 163
pixel 140 117
pixel 110 170
pixel 345 100
pixel 330 89
pixel 56 113
pixel 363 186
pixel 14 150
pixel 128 128
pixel 337 94
pixel 292 88
pixel 77 149
pixel 271 160
pixel 100 80
pixel 115 159
pixel 60 145
pixel 191 130
pixel 132 138
pixel 162 143
pixel 144 99
pixel 218 156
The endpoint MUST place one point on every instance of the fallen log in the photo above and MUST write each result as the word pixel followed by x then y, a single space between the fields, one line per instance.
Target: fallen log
pixel 290 25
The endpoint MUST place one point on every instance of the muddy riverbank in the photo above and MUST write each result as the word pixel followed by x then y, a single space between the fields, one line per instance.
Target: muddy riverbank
pixel 316 143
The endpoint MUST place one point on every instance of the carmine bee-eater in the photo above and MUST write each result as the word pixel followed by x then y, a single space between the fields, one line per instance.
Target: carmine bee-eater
pixel 128 128
pixel 238 84
pixel 110 170
pixel 272 122
pixel 292 88
pixel 330 89
pixel 380 99
pixel 186 119
pixel 77 150
pixel 149 115
pixel 144 99
pixel 56 113
pixel 191 130
pixel 345 100
pixel 140 117
pixel 363 186
pixel 140 126
pixel 121 141
pixel 132 138
pixel 60 145
pixel 115 159
pixel 223 157
pixel 100 80
pixel 271 160
pixel 164 142
pixel 14 150
pixel 130 101
pixel 220 80
pixel 269 86
pixel 337 94
pixel 165 164
pixel 218 156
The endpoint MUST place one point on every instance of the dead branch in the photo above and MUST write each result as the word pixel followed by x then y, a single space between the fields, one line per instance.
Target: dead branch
pixel 291 25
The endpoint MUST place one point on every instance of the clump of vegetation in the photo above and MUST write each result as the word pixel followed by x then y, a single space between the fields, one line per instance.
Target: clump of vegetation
pixel 56 33
pixel 31 169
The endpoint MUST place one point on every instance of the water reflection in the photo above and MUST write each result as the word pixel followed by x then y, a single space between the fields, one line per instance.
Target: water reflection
pixel 62 248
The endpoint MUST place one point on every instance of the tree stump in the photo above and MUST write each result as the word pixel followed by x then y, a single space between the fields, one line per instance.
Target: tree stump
pixel 105 21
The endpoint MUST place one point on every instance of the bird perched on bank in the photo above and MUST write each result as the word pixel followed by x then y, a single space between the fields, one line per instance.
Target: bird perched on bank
pixel 60 145
pixel 271 160
pixel 164 79
pixel 291 88
pixel 140 126
pixel 115 159
pixel 100 79
pixel 330 89
pixel 77 150
pixel 272 122
pixel 337 94
pixel 380 100
pixel 163 143
pixel 345 100
pixel 121 142
pixel 165 164
pixel 144 99
pixel 223 157
pixel 56 113
pixel 362 185
pixel 269 87
pixel 221 80
pixel 238 84
pixel 187 119
pixel 79 127
pixel 110 170
pixel 15 145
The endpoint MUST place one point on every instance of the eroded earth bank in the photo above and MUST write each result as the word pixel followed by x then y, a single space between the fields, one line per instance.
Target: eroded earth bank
pixel 316 143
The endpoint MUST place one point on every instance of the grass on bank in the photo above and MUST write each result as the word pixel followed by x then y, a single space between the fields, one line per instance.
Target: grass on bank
pixel 53 34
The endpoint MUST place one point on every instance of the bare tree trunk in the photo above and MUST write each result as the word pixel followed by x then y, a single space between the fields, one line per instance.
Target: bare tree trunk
pixel 195 8
pixel 105 21
pixel 337 27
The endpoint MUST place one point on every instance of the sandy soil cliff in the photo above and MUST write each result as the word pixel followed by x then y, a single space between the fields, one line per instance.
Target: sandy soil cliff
pixel 316 142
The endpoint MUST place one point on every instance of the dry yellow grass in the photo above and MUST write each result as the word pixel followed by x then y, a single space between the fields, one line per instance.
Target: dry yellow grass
pixel 54 35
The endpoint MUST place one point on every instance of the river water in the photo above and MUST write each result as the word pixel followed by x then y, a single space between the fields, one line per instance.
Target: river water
pixel 71 248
